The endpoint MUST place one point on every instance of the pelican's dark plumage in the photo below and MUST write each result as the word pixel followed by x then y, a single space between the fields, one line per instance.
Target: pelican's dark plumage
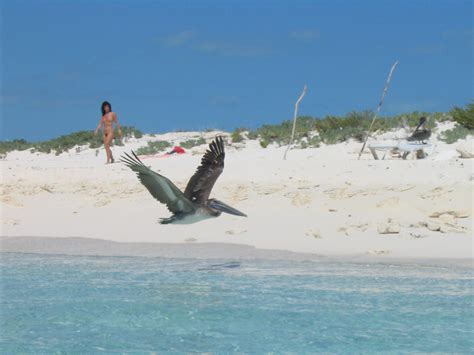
pixel 194 204
pixel 420 134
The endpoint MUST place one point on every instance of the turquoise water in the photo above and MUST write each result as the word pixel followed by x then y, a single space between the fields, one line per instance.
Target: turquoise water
pixel 119 304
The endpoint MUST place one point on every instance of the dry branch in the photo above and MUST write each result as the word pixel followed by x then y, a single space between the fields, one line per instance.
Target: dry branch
pixel 379 106
pixel 294 121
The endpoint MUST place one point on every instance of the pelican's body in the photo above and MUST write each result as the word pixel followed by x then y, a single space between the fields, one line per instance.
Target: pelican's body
pixel 192 205
pixel 201 213
pixel 420 134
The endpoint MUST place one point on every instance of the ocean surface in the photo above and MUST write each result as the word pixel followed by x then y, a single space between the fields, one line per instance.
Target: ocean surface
pixel 56 303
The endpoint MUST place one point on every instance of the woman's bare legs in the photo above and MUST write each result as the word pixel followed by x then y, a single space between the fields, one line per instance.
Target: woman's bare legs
pixel 108 137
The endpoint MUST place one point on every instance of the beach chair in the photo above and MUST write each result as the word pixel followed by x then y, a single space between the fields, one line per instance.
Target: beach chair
pixel 405 147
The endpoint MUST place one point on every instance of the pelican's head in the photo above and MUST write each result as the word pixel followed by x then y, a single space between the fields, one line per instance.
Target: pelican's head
pixel 220 207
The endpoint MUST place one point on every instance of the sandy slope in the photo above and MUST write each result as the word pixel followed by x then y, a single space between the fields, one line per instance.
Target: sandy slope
pixel 322 201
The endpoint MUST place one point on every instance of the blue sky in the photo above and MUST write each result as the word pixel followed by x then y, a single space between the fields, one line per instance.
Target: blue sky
pixel 169 65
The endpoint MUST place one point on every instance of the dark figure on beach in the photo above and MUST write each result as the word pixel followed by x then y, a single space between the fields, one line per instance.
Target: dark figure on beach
pixel 194 204
pixel 420 134
pixel 107 124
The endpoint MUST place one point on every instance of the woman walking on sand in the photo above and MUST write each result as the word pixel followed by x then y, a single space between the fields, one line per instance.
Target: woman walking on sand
pixel 107 123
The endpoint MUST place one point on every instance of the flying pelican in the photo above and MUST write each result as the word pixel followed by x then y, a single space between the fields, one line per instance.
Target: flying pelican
pixel 420 134
pixel 194 204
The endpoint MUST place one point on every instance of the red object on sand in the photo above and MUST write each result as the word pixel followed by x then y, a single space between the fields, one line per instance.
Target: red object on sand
pixel 175 150
pixel 179 150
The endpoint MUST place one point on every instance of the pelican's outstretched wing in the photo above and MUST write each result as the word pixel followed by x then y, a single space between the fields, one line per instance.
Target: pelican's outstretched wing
pixel 212 164
pixel 160 187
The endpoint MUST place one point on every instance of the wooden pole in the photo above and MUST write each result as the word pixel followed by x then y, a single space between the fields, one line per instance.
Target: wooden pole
pixel 379 106
pixel 294 121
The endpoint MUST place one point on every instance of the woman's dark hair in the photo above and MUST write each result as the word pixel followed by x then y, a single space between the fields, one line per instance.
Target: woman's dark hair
pixel 102 108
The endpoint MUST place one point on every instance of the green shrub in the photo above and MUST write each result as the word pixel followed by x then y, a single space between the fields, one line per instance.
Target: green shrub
pixel 138 134
pixel 153 148
pixel 252 135
pixel 16 144
pixel 96 142
pixel 455 134
pixel 236 136
pixel 334 136
pixel 128 132
pixel 192 143
pixel 314 142
pixel 465 117
pixel 336 129
pixel 65 142
pixel 331 129
pixel 441 117
pixel 274 133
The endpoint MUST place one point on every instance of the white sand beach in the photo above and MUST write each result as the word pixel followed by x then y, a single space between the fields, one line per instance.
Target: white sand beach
pixel 321 200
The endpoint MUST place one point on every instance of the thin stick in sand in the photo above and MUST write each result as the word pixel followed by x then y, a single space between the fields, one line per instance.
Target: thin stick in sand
pixel 294 121
pixel 379 106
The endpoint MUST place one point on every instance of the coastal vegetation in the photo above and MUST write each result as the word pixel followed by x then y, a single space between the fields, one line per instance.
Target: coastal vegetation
pixel 310 132
pixel 465 117
pixel 453 135
pixel 188 144
pixel 153 148
pixel 465 124
pixel 236 136
pixel 65 142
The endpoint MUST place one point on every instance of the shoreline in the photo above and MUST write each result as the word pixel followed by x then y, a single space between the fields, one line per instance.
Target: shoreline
pixel 81 246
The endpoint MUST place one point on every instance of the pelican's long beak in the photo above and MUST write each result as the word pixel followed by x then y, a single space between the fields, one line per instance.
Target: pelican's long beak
pixel 221 206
